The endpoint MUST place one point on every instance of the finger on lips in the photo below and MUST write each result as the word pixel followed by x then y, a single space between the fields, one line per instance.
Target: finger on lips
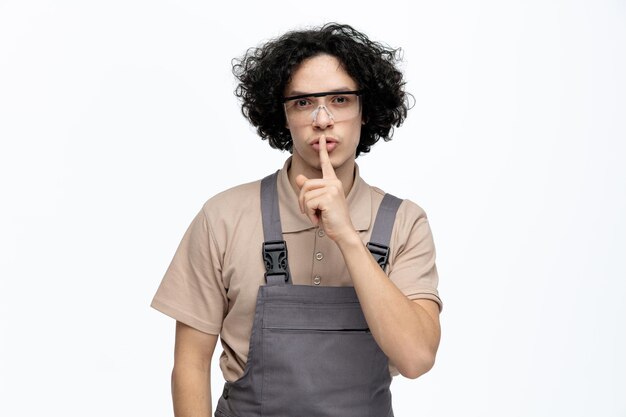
pixel 307 185
pixel 301 181
pixel 327 167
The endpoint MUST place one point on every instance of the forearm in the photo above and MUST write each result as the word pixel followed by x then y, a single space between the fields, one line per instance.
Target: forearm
pixel 404 330
pixel 191 392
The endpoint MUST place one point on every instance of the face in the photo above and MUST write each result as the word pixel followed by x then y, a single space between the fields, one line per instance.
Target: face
pixel 323 73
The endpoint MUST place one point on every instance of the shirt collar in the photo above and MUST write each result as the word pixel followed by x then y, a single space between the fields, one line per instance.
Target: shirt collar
pixel 292 220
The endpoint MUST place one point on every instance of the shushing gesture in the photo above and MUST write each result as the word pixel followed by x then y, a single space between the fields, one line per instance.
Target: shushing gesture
pixel 323 199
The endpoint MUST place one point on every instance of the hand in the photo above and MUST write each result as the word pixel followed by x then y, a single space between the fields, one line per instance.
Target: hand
pixel 323 200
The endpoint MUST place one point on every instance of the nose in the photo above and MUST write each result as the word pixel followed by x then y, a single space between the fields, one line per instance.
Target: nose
pixel 321 118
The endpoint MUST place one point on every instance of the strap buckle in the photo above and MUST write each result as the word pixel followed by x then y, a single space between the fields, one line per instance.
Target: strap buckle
pixel 379 252
pixel 275 258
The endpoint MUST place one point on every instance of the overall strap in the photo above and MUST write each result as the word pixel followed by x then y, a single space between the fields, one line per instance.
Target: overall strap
pixel 274 247
pixel 381 232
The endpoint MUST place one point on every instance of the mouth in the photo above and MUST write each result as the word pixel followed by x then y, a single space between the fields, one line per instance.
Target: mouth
pixel 331 143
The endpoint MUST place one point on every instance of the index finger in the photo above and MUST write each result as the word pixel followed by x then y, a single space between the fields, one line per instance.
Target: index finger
pixel 327 167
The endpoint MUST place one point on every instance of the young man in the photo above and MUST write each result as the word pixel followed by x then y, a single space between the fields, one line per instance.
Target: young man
pixel 319 286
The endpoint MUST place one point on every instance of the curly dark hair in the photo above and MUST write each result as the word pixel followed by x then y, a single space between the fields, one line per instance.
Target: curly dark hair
pixel 264 72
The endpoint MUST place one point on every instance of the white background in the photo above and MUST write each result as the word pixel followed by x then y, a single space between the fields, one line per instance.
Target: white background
pixel 117 122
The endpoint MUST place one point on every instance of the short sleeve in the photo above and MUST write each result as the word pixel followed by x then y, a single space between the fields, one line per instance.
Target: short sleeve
pixel 413 268
pixel 191 290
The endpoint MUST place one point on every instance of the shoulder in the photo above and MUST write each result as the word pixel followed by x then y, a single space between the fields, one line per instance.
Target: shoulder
pixel 408 213
pixel 411 240
pixel 233 204
pixel 410 225
pixel 236 194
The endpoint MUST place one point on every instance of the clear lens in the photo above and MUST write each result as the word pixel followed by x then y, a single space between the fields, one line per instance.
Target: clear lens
pixel 338 106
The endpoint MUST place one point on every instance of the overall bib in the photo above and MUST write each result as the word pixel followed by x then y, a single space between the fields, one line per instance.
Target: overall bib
pixel 311 352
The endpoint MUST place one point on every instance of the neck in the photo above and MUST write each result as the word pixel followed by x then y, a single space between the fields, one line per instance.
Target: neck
pixel 345 173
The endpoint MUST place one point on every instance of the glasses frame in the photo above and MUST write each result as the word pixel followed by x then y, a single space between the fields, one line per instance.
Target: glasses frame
pixel 315 112
pixel 323 94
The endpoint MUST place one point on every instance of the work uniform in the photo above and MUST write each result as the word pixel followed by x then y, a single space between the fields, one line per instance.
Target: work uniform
pixel 213 281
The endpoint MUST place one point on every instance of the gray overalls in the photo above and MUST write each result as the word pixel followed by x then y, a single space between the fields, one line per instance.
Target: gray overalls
pixel 311 352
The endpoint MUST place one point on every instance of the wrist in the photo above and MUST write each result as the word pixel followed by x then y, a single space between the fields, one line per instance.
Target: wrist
pixel 349 239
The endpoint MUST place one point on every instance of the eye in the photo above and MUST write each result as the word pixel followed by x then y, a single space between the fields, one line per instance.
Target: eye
pixel 341 100
pixel 302 103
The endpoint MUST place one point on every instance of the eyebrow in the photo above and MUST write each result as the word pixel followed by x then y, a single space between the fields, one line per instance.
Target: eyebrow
pixel 300 93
